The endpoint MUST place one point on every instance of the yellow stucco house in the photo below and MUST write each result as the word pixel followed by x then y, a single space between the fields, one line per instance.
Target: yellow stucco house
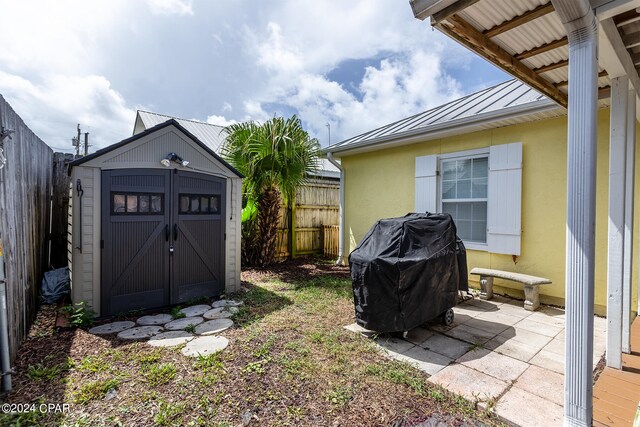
pixel 497 161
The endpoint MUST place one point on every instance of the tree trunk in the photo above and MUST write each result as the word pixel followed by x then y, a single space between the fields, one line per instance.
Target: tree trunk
pixel 268 212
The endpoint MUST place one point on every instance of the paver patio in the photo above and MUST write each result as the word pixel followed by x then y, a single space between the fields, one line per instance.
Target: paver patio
pixel 497 353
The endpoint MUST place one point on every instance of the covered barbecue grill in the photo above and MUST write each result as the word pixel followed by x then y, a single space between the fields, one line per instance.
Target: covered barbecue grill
pixel 407 271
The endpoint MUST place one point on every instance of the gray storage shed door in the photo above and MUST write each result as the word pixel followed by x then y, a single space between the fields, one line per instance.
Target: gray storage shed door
pixel 162 238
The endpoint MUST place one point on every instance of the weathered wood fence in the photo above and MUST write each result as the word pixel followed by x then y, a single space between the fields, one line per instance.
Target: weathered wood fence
pixel 317 204
pixel 59 209
pixel 25 191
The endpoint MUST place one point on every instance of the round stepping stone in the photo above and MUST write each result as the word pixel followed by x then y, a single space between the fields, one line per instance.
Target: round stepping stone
pixel 213 326
pixel 140 332
pixel 112 328
pixel 226 303
pixel 195 310
pixel 218 313
pixel 154 320
pixel 178 324
pixel 170 339
pixel 202 346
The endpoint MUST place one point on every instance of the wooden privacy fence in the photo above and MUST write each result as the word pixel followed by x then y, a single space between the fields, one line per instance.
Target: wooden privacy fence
pixel 25 186
pixel 316 205
pixel 331 233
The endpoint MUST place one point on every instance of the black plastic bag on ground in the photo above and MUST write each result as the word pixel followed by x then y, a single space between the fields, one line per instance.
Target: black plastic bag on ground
pixel 407 271
pixel 55 284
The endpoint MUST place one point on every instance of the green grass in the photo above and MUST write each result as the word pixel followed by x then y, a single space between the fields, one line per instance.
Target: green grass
pixel 95 390
pixel 93 364
pixel 41 372
pixel 176 313
pixel 158 374
pixel 168 414
pixel 191 328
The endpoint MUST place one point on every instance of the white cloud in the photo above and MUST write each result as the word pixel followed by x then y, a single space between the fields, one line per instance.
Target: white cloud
pixel 170 7
pixel 220 121
pixel 53 108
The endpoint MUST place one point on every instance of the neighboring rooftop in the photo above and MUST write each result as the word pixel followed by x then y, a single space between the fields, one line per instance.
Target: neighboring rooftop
pixel 504 104
pixel 211 135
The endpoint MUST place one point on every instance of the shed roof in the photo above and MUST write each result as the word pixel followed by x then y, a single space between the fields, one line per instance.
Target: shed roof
pixel 213 136
pixel 170 122
pixel 504 104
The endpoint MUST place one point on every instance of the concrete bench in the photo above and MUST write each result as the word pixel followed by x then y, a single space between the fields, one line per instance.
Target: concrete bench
pixel 531 283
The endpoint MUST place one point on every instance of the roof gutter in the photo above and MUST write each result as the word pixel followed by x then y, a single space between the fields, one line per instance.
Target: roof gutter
pixel 340 260
pixel 452 127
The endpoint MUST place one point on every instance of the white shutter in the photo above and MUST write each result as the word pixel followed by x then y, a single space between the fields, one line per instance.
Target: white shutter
pixel 504 207
pixel 426 183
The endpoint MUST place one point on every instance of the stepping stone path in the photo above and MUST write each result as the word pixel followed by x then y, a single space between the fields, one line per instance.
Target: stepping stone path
pixel 140 332
pixel 111 328
pixel 195 310
pixel 203 346
pixel 226 303
pixel 163 331
pixel 213 326
pixel 183 323
pixel 220 313
pixel 154 320
pixel 170 339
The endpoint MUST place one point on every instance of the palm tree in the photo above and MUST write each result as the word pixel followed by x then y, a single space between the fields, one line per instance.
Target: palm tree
pixel 276 158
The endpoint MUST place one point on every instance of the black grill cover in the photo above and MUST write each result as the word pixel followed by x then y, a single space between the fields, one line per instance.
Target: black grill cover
pixel 407 271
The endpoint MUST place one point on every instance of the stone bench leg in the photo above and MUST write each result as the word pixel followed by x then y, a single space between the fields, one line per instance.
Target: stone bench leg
pixel 486 287
pixel 531 297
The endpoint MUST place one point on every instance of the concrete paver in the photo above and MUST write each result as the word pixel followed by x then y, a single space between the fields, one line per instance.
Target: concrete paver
pixel 470 334
pixel 513 348
pixel 497 365
pixel 543 383
pixel 549 360
pixel 522 408
pixel 419 335
pixel 539 328
pixel 425 360
pixel 447 346
pixel 468 382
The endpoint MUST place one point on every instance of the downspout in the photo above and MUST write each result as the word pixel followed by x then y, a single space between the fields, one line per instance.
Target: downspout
pixel 582 31
pixel 340 260
pixel 5 357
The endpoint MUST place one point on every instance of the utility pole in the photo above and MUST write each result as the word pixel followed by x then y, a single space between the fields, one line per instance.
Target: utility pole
pixel 86 143
pixel 75 141
pixel 329 129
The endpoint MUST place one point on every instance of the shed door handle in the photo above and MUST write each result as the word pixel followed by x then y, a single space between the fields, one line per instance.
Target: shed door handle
pixel 166 232
pixel 175 231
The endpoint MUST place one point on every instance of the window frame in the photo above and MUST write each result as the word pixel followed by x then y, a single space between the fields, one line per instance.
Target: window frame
pixel 463 155
pixel 138 194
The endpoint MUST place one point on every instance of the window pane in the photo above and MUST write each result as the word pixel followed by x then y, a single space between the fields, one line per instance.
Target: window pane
pixel 450 208
pixel 118 203
pixel 204 204
pixel 144 204
pixel 464 229
pixel 464 211
pixel 195 204
pixel 184 204
pixel 464 189
pixel 479 188
pixel 449 170
pixel 448 189
pixel 479 211
pixel 156 204
pixel 479 231
pixel 464 168
pixel 214 206
pixel 480 167
pixel 132 203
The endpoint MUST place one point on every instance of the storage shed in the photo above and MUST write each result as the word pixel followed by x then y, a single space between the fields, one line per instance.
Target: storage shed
pixel 154 221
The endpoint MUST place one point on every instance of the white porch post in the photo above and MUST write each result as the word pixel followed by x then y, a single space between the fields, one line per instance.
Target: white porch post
pixel 628 221
pixel 616 224
pixel 582 30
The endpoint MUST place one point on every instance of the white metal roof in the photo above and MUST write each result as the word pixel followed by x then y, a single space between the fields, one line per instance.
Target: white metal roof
pixel 504 104
pixel 212 136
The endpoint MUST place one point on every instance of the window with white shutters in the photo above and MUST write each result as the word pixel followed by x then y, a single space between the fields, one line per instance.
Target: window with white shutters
pixel 481 189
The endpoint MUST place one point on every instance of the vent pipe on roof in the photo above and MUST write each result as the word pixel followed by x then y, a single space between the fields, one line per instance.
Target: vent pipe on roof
pixel 582 31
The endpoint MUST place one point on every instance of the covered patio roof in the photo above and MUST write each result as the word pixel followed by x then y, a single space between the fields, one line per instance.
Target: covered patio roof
pixel 528 40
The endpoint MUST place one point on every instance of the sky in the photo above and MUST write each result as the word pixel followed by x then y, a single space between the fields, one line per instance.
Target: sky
pixel 355 65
